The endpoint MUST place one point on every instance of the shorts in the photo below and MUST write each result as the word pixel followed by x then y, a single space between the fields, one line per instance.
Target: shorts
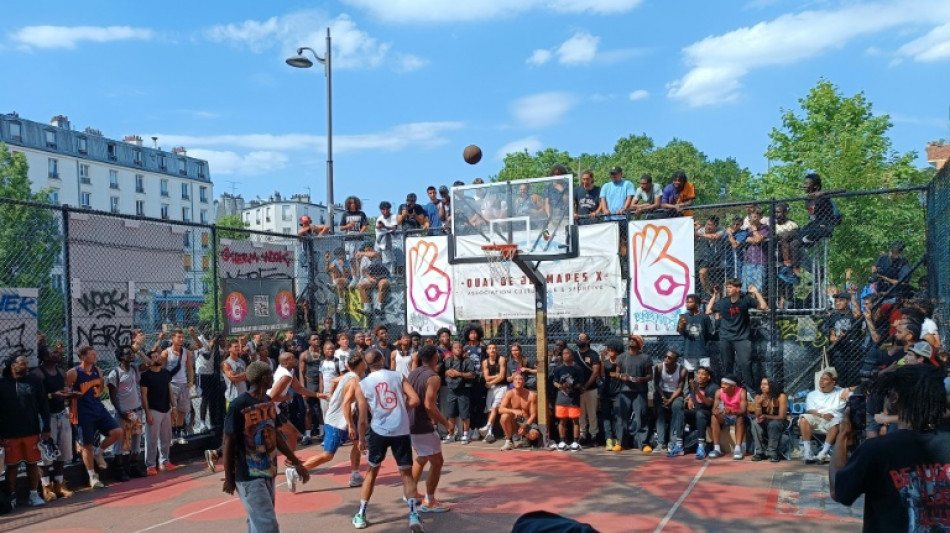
pixel 182 397
pixel 333 438
pixel 378 444
pixel 819 424
pixel 26 449
pixel 427 444
pixel 61 431
pixel 567 411
pixel 458 405
pixel 91 422
pixel 728 420
pixel 352 246
pixel 494 397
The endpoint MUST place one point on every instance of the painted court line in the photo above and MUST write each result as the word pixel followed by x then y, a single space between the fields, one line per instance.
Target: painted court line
pixel 682 498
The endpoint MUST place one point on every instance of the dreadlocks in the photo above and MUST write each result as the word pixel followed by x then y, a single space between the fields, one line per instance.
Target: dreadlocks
pixel 922 398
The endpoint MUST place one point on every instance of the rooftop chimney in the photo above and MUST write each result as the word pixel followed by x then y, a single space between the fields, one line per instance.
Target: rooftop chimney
pixel 133 139
pixel 180 150
pixel 155 142
pixel 60 121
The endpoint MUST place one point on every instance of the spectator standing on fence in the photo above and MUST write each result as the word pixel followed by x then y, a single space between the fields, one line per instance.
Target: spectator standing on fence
pixel 309 372
pixel 180 364
pixel 699 405
pixel 616 195
pixel 735 327
pixel 768 409
pixel 435 211
pixel 54 383
pixel 586 199
pixel 24 421
pixel 589 362
pixel 459 378
pixel 158 401
pixel 669 383
pixel 636 372
pixel 422 419
pixel 353 224
pixel 756 245
pixel 697 330
pixel 678 196
pixel 123 383
pixel 89 414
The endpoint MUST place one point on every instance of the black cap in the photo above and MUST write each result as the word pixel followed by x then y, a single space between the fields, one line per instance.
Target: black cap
pixel 615 170
pixel 842 296
pixel 411 197
pixel 443 189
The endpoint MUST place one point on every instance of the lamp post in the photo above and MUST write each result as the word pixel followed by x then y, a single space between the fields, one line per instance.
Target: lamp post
pixel 301 61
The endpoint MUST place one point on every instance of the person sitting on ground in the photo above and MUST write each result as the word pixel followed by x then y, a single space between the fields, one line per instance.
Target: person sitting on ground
pixel 769 409
pixel 824 407
pixel 519 414
pixel 731 405
pixel 702 394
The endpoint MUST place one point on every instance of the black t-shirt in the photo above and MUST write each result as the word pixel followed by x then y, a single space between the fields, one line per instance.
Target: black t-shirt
pixel 354 233
pixel 464 366
pixel 586 361
pixel 734 322
pixel 698 331
pixel 253 426
pixel 52 383
pixel 904 478
pixel 612 382
pixel 157 384
pixel 635 366
pixel 570 380
pixel 410 221
pixel 709 391
pixel 587 201
pixel 387 354
pixel 841 323
pixel 821 211
pixel 24 411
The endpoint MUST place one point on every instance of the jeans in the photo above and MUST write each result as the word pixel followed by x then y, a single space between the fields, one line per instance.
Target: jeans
pixel 752 274
pixel 610 414
pixel 767 429
pixel 663 418
pixel 158 438
pixel 633 416
pixel 257 495
pixel 701 418
pixel 735 354
pixel 588 418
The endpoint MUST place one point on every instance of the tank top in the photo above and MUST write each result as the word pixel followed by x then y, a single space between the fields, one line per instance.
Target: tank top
pixel 52 383
pixel 90 385
pixel 181 376
pixel 669 381
pixel 732 402
pixel 419 421
pixel 387 405
pixel 234 389
pixel 280 373
pixel 312 369
pixel 403 362
pixel 494 368
pixel 334 415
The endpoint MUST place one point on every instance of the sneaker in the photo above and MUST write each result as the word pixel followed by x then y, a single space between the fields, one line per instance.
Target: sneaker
pixel 700 453
pixel 610 445
pixel 100 459
pixel 676 451
pixel 552 445
pixel 152 471
pixel 432 506
pixel 647 449
pixel 291 474
pixel 49 494
pixel 617 446
pixel 168 466
pixel 12 503
pixel 714 454
pixel 36 500
pixel 822 457
pixel 774 458
pixel 575 447
pixel 737 455
pixel 306 441
pixel 211 459
pixel 61 490
pixel 448 438
pixel 415 523
pixel 181 438
pixel 808 458
pixel 378 306
pixel 561 446
pixel 94 483
pixel 356 480
pixel 758 457
pixel 464 440
pixel 359 521
pixel 508 445
pixel 490 438
pixel 484 431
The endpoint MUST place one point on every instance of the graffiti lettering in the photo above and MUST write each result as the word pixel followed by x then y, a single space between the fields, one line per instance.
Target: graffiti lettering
pixel 17 304
pixel 104 304
pixel 12 344
pixel 106 335
pixel 244 258
pixel 259 273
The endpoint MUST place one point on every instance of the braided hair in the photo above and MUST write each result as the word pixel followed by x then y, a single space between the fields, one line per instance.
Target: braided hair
pixel 922 398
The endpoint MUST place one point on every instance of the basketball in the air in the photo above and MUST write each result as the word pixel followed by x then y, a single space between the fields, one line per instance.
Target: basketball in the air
pixel 472 154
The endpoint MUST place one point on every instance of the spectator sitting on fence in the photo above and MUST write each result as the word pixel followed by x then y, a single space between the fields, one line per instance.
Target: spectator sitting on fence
pixel 353 224
pixel 824 408
pixel 308 228
pixel 677 197
pixel 889 269
pixel 755 257
pixel 647 196
pixel 769 410
pixel 786 232
pixel 710 239
pixel 373 275
pixel 731 405
pixel 339 269
pixel 823 215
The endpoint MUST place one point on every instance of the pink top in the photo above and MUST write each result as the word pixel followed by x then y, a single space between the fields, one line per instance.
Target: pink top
pixel 732 402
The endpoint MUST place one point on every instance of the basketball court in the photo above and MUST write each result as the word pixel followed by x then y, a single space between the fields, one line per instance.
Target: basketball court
pixel 487 490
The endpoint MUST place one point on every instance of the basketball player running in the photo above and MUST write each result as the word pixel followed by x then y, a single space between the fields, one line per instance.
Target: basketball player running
pixel 425 439
pixel 519 414
pixel 384 397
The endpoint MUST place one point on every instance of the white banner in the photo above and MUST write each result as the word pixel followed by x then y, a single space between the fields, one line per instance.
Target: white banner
pixel 429 302
pixel 589 285
pixel 18 316
pixel 661 273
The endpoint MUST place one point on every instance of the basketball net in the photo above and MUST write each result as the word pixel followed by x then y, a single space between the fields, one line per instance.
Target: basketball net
pixel 499 258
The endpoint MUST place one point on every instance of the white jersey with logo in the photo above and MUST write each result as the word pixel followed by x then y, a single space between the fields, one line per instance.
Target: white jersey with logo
pixel 387 404
pixel 334 415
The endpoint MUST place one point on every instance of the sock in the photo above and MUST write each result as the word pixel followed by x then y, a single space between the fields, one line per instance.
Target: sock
pixel 363 505
pixel 59 479
pixel 44 480
pixel 354 472
pixel 825 447
pixel 807 447
pixel 430 498
pixel 92 474
pixel 717 448
pixel 701 443
pixel 307 434
pixel 412 505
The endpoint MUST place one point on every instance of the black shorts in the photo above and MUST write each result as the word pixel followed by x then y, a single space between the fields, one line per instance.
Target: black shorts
pixel 206 382
pixel 458 404
pixel 92 421
pixel 378 444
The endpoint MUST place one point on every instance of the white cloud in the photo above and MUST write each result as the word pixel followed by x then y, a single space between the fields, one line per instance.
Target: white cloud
pixel 639 94
pixel 250 163
pixel 542 109
pixel 352 48
pixel 530 144
pixel 935 46
pixel 398 11
pixel 71 36
pixel 580 49
pixel 718 63
pixel 539 57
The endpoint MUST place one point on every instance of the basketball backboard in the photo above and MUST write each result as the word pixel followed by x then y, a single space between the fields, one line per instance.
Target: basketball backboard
pixel 536 214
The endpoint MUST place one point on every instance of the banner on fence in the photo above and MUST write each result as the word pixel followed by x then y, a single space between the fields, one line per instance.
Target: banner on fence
pixel 661 273
pixel 252 305
pixel 587 286
pixel 102 316
pixel 255 260
pixel 18 316
pixel 430 305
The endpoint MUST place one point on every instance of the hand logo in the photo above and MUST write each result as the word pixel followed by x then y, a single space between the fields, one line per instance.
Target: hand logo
pixel 661 281
pixel 429 287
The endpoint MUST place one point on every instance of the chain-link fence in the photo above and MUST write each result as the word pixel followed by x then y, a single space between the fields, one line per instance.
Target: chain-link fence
pixel 938 248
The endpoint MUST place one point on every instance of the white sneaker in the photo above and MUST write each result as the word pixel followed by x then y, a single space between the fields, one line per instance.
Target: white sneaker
pixel 490 438
pixel 464 440
pixel 507 446
pixel 94 483
pixel 378 306
pixel 291 474
pixel 448 438
pixel 552 445
pixel 356 480
pixel 561 446
pixel 808 457
pixel 415 523
pixel 575 447
pixel 474 434
pixel 36 500
pixel 822 457
pixel 484 430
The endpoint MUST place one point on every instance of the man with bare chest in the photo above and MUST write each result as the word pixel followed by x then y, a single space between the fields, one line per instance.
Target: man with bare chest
pixel 519 414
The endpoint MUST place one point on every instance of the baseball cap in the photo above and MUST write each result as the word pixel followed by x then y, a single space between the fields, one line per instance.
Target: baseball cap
pixel 443 190
pixel 922 349
pixel 411 197
pixel 305 220
pixel 615 170
pixel 842 296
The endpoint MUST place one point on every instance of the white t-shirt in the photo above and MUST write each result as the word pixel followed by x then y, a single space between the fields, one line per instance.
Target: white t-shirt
pixel 204 365
pixel 329 370
pixel 387 405
pixel 341 357
pixel 826 402
pixel 280 373
pixel 334 415
pixel 181 376
pixel 929 327
pixel 384 239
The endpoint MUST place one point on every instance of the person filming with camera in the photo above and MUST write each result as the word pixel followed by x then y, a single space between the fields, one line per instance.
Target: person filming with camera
pixel 904 474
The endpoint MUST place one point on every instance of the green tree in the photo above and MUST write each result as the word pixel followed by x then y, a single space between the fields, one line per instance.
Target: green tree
pixel 30 242
pixel 227 227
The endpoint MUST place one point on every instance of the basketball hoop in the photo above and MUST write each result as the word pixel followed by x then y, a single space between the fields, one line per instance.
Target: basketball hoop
pixel 498 257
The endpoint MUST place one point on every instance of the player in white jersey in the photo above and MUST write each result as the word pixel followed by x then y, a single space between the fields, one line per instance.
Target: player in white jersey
pixel 384 398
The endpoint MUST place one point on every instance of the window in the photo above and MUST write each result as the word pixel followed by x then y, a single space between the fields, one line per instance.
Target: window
pixel 203 194
pixel 288 230
pixel 51 138
pixel 85 200
pixel 114 204
pixel 186 214
pixel 16 131
pixel 113 179
pixel 54 196
pixel 84 174
pixel 268 215
pixel 204 216
pixel 201 170
pixel 285 212
pixel 137 157
pixel 81 145
pixel 187 286
pixel 54 168
pixel 183 166
pixel 184 191
pixel 140 208
pixel 186 260
pixel 205 239
pixel 165 211
pixel 187 242
pixel 205 263
pixel 162 164
pixel 110 149
pixel 204 287
pixel 164 187
pixel 139 183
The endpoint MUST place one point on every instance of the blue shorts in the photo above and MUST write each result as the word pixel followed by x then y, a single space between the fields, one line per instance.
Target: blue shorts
pixel 92 421
pixel 333 438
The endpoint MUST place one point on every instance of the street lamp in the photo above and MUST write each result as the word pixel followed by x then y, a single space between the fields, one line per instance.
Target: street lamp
pixel 301 61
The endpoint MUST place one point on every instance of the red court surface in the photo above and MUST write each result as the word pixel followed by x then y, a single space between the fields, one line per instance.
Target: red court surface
pixel 487 489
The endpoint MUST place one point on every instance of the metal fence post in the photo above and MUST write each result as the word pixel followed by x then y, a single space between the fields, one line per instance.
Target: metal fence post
pixel 774 359
pixel 67 287
pixel 215 297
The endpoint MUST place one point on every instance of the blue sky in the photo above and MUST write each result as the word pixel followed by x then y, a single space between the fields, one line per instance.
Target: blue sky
pixel 415 81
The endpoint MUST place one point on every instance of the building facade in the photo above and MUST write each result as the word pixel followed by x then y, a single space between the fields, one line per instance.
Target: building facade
pixel 282 215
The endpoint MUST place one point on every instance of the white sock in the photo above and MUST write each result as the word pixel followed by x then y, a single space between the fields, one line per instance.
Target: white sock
pixel 363 505
pixel 825 447
pixel 44 480
pixel 717 448
pixel 59 479
pixel 430 498
pixel 807 447
pixel 354 472
pixel 92 474
pixel 412 505
pixel 307 434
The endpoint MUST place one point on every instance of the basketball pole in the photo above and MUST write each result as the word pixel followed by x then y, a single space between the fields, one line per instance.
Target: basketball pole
pixel 541 333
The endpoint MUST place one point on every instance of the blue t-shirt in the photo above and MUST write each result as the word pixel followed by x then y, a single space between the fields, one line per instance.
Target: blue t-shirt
pixel 432 212
pixel 616 194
